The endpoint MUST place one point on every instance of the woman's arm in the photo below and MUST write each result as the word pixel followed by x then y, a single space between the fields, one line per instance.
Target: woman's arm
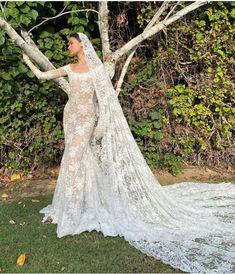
pixel 46 75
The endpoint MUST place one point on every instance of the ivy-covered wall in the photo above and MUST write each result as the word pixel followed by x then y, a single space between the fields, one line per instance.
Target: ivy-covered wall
pixel 178 95
pixel 31 110
pixel 182 91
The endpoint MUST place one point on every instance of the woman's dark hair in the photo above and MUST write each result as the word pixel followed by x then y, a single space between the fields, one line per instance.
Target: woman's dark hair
pixel 75 35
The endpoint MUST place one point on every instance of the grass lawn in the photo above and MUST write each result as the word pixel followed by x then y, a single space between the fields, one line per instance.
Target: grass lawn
pixel 87 252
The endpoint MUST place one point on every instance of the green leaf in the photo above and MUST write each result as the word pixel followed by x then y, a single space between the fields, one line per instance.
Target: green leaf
pixel 49 53
pixel 2 40
pixel 202 23
pixel 157 125
pixel 27 92
pixel 58 57
pixel 30 74
pixel 83 21
pixel 14 71
pixel 209 69
pixel 96 41
pixel 3 119
pixel 81 29
pixel 18 3
pixel 14 12
pixel 22 68
pixel 41 3
pixel 6 76
pixel 220 73
pixel 74 21
pixel 45 34
pixel 199 36
pixel 7 88
pixel 158 136
pixel 155 115
pixel 220 52
pixel 232 13
pixel 25 20
pixel 25 9
pixel 33 14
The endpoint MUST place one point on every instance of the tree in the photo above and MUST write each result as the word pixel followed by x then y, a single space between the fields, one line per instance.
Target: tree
pixel 156 24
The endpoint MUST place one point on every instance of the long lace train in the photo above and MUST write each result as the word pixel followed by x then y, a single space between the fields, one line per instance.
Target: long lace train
pixel 110 188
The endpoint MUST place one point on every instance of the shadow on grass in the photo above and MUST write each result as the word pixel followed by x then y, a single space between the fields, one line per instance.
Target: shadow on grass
pixel 45 252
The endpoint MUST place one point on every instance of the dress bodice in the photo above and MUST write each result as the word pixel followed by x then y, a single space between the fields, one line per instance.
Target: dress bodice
pixel 81 86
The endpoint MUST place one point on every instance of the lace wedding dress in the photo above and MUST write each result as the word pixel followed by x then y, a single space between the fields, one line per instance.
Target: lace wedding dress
pixel 105 184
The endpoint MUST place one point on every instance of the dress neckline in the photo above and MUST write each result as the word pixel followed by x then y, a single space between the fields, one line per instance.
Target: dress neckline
pixel 78 71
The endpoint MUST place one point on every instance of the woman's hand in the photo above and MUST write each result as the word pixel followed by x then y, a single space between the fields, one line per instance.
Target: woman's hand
pixel 33 68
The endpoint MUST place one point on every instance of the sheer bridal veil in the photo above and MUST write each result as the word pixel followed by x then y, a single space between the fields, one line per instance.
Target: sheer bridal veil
pixel 188 225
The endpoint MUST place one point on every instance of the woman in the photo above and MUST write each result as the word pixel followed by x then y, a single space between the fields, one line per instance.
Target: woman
pixel 108 186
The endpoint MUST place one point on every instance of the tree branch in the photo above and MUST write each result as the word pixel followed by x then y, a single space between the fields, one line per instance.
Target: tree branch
pixel 155 18
pixel 29 47
pixel 156 28
pixel 171 10
pixel 124 70
pixel 2 7
pixel 60 14
pixel 157 15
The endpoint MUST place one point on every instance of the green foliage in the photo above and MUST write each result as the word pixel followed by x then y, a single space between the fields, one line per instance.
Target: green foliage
pixel 208 108
pixel 145 14
pixel 148 132
pixel 144 76
pixel 181 99
pixel 193 75
pixel 171 161
pixel 31 110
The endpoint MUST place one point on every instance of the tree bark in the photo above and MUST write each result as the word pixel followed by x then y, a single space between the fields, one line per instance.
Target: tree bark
pixel 152 29
pixel 153 21
pixel 29 48
pixel 155 29
pixel 109 58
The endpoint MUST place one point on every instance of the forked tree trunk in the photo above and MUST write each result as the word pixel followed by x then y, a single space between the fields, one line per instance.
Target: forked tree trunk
pixel 109 58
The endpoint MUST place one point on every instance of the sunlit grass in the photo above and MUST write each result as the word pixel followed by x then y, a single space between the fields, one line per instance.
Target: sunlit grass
pixel 45 252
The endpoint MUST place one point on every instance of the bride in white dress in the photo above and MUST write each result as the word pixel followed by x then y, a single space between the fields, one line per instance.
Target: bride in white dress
pixel 105 184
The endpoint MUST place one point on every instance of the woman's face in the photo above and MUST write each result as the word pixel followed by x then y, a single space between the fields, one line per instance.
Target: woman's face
pixel 74 46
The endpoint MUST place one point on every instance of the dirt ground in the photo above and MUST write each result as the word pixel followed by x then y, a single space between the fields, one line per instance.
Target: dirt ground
pixel 43 182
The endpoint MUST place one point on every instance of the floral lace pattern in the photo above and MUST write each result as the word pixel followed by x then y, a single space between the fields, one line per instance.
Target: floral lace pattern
pixel 107 185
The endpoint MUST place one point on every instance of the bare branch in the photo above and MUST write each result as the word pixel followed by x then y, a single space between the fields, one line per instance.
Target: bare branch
pixel 2 8
pixel 12 33
pixel 171 10
pixel 60 14
pixel 155 19
pixel 32 51
pixel 43 61
pixel 124 70
pixel 156 28
pixel 109 58
pixel 157 15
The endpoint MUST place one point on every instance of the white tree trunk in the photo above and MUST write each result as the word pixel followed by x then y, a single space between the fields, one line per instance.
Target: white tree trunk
pixel 153 28
pixel 128 60
pixel 28 46
pixel 109 58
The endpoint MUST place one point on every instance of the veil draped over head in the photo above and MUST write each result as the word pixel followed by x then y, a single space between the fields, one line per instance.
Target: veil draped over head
pixel 187 225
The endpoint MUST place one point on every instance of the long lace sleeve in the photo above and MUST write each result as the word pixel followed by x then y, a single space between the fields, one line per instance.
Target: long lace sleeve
pixel 45 75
